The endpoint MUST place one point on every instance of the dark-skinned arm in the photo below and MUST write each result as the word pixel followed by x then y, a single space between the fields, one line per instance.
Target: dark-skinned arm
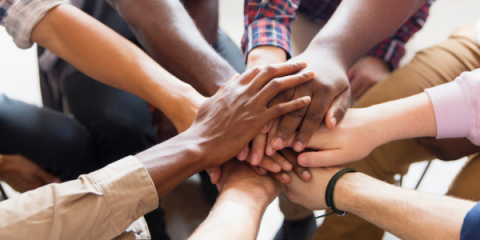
pixel 170 36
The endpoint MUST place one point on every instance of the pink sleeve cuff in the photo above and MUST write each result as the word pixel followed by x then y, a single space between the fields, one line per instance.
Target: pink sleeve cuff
pixel 452 113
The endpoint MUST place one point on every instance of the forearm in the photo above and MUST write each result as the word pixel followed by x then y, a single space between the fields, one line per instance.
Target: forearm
pixel 170 36
pixel 205 15
pixel 173 161
pixel 107 57
pixel 236 215
pixel 357 26
pixel 405 213
pixel 405 118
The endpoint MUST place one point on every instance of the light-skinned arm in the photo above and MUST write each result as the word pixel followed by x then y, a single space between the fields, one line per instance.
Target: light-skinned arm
pixel 362 130
pixel 107 57
pixel 405 213
pixel 244 197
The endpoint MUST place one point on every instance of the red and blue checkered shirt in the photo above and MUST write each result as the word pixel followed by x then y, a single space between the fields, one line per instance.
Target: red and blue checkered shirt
pixel 267 22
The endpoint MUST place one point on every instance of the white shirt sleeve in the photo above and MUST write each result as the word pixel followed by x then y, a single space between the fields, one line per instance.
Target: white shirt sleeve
pixel 22 17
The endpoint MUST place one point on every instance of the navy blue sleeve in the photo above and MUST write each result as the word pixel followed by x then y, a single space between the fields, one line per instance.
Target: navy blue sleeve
pixel 471 224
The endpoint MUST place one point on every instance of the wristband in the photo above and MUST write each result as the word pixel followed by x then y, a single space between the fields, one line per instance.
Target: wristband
pixel 329 193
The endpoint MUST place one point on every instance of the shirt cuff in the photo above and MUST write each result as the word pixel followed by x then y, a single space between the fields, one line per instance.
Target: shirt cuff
pixel 266 32
pixel 470 225
pixel 23 16
pixel 451 110
pixel 128 189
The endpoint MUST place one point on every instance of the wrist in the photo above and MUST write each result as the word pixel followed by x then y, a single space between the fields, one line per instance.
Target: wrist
pixel 264 55
pixel 348 190
pixel 323 51
pixel 254 199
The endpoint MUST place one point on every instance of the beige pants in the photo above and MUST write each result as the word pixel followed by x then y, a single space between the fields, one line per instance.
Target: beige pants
pixel 431 67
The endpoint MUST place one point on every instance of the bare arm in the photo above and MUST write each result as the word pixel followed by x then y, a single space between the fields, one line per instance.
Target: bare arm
pixel 170 36
pixel 107 57
pixel 244 197
pixel 362 130
pixel 405 213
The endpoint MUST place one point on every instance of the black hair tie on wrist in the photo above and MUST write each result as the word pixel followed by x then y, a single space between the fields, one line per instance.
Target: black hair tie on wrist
pixel 329 193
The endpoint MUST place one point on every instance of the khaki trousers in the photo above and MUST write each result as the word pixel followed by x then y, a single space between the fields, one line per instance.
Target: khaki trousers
pixel 431 67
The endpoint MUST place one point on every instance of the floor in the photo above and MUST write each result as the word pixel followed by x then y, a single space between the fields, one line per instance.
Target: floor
pixel 186 207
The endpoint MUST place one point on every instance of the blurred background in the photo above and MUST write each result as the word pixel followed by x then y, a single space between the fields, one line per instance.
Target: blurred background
pixel 19 80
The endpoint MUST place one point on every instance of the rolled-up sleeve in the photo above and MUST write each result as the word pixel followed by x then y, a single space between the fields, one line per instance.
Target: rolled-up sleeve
pixel 100 205
pixel 267 23
pixel 457 107
pixel 21 17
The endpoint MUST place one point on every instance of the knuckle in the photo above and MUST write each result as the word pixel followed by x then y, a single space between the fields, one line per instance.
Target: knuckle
pixel 315 116
pixel 280 110
pixel 299 113
pixel 275 84
pixel 270 69
pixel 283 131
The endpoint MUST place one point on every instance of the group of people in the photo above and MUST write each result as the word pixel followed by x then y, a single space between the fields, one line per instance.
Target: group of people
pixel 140 95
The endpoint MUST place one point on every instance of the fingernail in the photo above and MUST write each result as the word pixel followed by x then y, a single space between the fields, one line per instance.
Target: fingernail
pixel 302 160
pixel 334 121
pixel 298 146
pixel 285 176
pixel 276 167
pixel 262 170
pixel 269 151
pixel 309 74
pixel 278 143
pixel 254 159
pixel 264 129
pixel 211 175
pixel 306 175
pixel 287 166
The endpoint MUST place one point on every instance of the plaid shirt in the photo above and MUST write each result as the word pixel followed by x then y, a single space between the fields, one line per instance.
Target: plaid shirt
pixel 20 17
pixel 267 22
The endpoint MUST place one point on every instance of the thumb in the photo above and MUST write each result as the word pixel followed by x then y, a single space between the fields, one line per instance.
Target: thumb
pixel 338 109
pixel 215 174
pixel 326 158
pixel 47 177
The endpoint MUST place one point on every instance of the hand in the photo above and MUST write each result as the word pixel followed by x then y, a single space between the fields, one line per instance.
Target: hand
pixel 259 57
pixel 311 194
pixel 365 73
pixel 330 95
pixel 448 149
pixel 301 172
pixel 239 176
pixel 22 174
pixel 353 139
pixel 230 119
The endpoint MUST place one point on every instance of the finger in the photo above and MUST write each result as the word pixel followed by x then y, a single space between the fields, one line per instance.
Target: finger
pixel 282 97
pixel 259 170
pixel 269 149
pixel 282 177
pixel 243 154
pixel 270 165
pixel 325 158
pixel 286 165
pixel 337 109
pixel 248 76
pixel 284 108
pixel 46 177
pixel 355 85
pixel 215 174
pixel 313 118
pixel 289 123
pixel 258 148
pixel 301 172
pixel 281 84
pixel 267 127
pixel 272 71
